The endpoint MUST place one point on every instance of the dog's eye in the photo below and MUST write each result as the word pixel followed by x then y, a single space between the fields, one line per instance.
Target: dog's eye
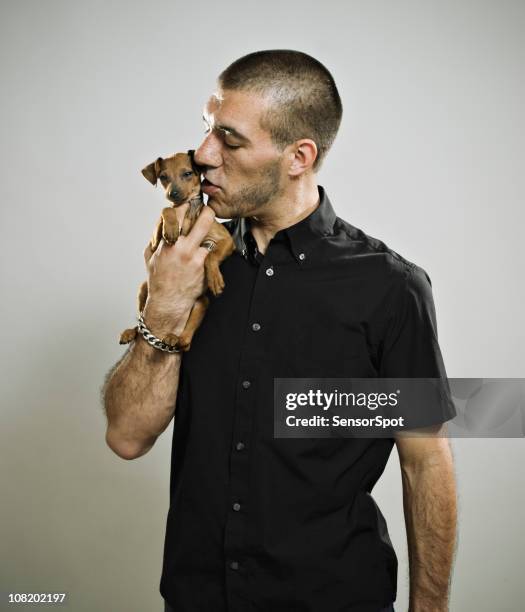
pixel 163 177
pixel 188 174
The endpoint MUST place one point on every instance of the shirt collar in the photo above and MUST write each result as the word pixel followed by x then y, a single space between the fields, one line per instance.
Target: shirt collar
pixel 302 235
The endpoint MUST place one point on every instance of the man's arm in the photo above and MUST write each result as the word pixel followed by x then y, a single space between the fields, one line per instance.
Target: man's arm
pixel 140 390
pixel 429 502
pixel 139 393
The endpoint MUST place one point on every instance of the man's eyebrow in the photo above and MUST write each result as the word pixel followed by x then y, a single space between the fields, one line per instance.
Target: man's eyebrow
pixel 229 130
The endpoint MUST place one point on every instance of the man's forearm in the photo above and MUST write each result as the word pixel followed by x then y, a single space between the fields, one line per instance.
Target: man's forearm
pixel 139 394
pixel 429 500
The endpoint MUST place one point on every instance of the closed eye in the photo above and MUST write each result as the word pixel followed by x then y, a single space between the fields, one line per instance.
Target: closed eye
pixel 229 146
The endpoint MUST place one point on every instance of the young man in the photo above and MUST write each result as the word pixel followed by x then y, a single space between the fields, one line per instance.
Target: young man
pixel 258 523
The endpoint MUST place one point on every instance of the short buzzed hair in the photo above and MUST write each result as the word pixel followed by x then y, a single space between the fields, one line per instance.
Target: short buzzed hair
pixel 304 101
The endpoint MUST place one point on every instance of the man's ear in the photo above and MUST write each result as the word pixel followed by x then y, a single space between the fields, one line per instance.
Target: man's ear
pixel 304 153
pixel 196 168
pixel 151 171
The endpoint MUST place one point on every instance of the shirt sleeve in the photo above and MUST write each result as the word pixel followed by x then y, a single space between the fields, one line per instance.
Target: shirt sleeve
pixel 410 347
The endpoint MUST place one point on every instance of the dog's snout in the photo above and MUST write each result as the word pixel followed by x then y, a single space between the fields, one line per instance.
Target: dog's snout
pixel 174 193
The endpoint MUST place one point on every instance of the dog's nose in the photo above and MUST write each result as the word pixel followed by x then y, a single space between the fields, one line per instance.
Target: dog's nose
pixel 174 193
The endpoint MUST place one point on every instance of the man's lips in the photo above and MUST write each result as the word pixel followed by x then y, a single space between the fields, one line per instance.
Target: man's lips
pixel 209 187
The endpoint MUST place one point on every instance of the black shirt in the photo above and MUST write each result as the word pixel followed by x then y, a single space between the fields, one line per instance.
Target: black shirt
pixel 264 524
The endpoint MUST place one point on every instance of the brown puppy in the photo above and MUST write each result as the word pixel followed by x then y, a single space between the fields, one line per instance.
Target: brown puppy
pixel 180 177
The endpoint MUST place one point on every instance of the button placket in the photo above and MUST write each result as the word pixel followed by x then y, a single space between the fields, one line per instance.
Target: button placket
pixel 246 396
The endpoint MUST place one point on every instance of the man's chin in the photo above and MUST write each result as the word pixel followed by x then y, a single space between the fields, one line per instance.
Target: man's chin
pixel 220 210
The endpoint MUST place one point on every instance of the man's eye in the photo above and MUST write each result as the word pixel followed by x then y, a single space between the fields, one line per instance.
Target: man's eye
pixel 230 146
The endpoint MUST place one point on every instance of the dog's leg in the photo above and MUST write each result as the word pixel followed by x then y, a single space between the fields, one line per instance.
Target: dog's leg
pixel 224 248
pixel 157 235
pixel 170 225
pixel 129 334
pixel 194 320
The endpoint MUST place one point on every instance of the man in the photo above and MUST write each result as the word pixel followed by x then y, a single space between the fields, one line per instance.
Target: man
pixel 258 523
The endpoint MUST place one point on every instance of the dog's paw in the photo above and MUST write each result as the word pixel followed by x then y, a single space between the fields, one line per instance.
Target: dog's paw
pixel 171 339
pixel 184 343
pixel 215 282
pixel 128 335
pixel 169 238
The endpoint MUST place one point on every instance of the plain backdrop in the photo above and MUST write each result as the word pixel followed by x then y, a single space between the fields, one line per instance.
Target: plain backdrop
pixel 429 158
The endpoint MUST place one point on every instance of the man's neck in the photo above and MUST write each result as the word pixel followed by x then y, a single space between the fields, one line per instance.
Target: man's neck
pixel 285 211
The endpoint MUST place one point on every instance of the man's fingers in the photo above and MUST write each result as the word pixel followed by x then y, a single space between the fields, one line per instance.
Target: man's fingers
pixel 193 239
pixel 200 228
pixel 202 253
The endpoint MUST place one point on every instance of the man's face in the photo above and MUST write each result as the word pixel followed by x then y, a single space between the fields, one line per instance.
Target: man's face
pixel 238 156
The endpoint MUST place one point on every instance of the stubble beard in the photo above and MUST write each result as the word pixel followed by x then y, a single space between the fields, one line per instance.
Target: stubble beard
pixel 254 198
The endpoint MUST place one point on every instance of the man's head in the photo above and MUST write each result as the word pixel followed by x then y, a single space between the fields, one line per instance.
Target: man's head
pixel 270 123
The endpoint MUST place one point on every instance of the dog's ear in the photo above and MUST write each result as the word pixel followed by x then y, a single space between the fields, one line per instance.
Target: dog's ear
pixel 196 168
pixel 151 171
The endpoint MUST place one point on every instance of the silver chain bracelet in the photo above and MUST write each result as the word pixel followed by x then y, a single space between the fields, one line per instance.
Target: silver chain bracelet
pixel 153 340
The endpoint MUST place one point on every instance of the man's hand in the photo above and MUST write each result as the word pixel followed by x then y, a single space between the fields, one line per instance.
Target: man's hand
pixel 429 501
pixel 176 272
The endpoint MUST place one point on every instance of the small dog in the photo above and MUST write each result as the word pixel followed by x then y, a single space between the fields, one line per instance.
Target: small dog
pixel 180 177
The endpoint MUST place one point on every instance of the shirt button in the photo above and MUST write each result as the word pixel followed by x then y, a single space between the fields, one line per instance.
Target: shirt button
pixel 239 446
pixel 256 327
pixel 302 255
pixel 234 565
pixel 269 272
pixel 246 383
pixel 236 506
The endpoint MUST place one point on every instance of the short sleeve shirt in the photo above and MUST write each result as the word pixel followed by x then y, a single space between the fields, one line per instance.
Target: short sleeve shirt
pixel 258 523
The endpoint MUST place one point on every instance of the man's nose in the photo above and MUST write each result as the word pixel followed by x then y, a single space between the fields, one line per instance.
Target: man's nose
pixel 207 154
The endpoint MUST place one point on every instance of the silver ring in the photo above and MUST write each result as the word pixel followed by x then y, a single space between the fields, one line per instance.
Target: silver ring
pixel 208 244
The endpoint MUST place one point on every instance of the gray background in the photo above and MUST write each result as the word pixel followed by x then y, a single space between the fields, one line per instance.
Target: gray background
pixel 429 158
